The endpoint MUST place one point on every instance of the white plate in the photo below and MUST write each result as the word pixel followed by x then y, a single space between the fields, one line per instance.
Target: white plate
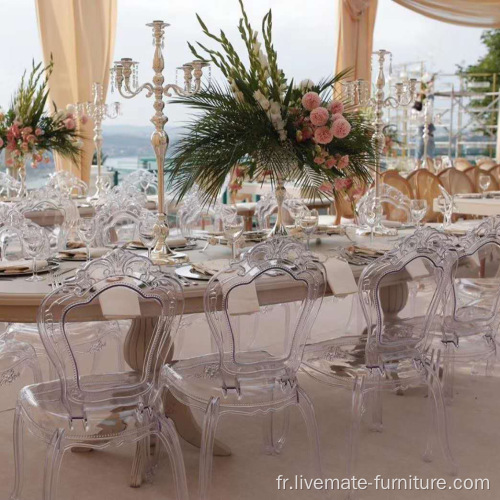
pixel 190 273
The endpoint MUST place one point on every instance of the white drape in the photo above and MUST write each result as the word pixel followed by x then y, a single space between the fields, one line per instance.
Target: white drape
pixel 80 36
pixel 355 42
pixel 476 13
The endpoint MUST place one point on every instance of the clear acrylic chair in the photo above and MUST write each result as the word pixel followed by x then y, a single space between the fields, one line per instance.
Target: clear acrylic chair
pixel 392 353
pixel 9 186
pixel 143 181
pixel 253 370
pixel 67 183
pixel 108 408
pixel 472 318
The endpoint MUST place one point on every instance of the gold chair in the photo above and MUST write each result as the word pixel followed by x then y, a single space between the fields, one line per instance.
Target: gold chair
pixel 455 181
pixel 462 164
pixel 425 186
pixel 394 179
pixel 474 172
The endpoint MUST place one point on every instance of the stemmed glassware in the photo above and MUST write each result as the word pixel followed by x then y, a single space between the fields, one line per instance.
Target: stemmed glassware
pixel 147 233
pixel 233 229
pixel 87 228
pixel 34 245
pixel 484 183
pixel 373 215
pixel 308 221
pixel 446 207
pixel 418 209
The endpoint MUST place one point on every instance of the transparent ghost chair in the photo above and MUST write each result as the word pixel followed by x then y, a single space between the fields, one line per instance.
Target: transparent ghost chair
pixel 393 352
pixel 472 319
pixel 143 181
pixel 67 183
pixel 267 206
pixel 252 372
pixel 9 186
pixel 395 204
pixel 112 407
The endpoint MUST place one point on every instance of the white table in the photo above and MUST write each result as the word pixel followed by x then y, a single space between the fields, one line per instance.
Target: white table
pixel 474 206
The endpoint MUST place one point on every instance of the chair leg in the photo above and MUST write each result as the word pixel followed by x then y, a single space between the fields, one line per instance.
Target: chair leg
pixel 356 415
pixel 18 454
pixel 53 459
pixel 375 395
pixel 168 436
pixel 449 372
pixel 307 409
pixel 441 419
pixel 274 446
pixel 207 443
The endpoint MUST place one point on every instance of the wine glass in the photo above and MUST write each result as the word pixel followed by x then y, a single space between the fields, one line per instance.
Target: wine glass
pixel 418 209
pixel 34 244
pixel 294 207
pixel 373 215
pixel 86 228
pixel 147 233
pixel 233 229
pixel 484 183
pixel 308 221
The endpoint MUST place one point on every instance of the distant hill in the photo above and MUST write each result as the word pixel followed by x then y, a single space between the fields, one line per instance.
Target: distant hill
pixel 125 140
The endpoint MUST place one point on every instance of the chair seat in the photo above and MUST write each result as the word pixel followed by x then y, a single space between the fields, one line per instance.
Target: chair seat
pixel 470 347
pixel 200 379
pixel 43 407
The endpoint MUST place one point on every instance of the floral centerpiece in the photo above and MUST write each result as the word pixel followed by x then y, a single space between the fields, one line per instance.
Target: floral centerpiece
pixel 286 132
pixel 28 130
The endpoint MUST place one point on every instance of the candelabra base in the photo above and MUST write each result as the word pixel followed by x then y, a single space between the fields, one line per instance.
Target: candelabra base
pixel 379 230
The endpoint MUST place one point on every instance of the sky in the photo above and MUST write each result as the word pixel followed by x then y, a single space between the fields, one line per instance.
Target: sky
pixel 305 36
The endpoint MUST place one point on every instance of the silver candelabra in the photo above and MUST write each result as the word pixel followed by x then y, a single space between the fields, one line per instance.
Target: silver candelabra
pixel 98 111
pixel 358 94
pixel 126 81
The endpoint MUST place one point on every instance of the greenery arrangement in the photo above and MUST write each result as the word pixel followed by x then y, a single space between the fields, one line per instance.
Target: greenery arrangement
pixel 27 129
pixel 282 131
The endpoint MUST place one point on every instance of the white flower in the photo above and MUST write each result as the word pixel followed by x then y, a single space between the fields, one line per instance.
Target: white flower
pixel 282 134
pixel 306 84
pixel 70 108
pixel 275 108
pixel 261 99
pixel 239 96
pixel 263 59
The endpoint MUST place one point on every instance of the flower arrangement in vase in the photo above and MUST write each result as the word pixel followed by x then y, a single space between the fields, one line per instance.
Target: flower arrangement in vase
pixel 28 130
pixel 285 132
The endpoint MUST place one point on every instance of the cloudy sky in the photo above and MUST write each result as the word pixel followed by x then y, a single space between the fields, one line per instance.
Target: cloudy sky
pixel 305 35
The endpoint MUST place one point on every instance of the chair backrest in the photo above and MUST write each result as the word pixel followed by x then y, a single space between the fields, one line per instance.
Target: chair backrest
pixel 9 186
pixel 143 181
pixel 401 292
pixel 120 227
pixel 476 279
pixel 495 172
pixel 396 206
pixel 455 181
pixel 267 206
pixel 486 163
pixel 120 285
pixel 67 183
pixel 425 186
pixel 279 271
pixel 462 164
pixel 474 173
pixel 394 179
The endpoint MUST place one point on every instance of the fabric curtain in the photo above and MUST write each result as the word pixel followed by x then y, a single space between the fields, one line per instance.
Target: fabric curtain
pixel 476 13
pixel 80 37
pixel 355 43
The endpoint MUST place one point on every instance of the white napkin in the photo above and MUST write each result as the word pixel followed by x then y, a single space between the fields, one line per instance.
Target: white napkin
pixel 392 223
pixel 243 300
pixel 13 266
pixel 178 241
pixel 340 278
pixel 119 302
pixel 210 267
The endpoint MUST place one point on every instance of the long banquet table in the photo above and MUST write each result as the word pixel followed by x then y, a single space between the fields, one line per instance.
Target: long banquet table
pixel 473 206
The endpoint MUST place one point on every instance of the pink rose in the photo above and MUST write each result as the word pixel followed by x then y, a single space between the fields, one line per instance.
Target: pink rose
pixel 234 186
pixel 69 123
pixel 323 135
pixel 84 119
pixel 319 160
pixel 337 116
pixel 331 162
pixel 27 130
pixel 9 162
pixel 341 128
pixel 24 147
pixel 319 116
pixel 342 184
pixel 336 107
pixel 343 162
pixel 39 132
pixel 311 101
pixel 31 138
pixel 326 187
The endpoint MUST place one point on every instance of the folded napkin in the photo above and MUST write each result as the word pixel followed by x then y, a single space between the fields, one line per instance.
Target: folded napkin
pixel 74 244
pixel 392 223
pixel 468 196
pixel 20 266
pixel 243 300
pixel 79 252
pixel 340 278
pixel 210 267
pixel 367 251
